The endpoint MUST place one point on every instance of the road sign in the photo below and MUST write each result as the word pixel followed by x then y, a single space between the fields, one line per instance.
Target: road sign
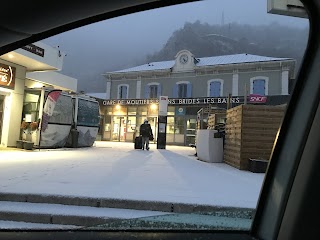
pixel 163 106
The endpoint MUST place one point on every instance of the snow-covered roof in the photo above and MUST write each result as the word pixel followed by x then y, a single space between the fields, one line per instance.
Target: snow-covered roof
pixel 150 66
pixel 206 61
pixel 236 58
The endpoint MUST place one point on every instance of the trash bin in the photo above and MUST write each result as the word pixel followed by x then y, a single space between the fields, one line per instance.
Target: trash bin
pixel 27 145
pixel 19 144
pixel 209 148
pixel 74 138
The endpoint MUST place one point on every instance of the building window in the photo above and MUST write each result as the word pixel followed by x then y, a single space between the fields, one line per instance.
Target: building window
pixel 215 88
pixel 171 110
pixel 182 89
pixel 259 85
pixel 152 90
pixel 123 90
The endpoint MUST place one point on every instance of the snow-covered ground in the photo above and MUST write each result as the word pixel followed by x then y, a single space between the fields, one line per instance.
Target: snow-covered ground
pixel 116 170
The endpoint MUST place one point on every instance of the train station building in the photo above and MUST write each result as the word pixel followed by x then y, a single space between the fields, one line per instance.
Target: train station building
pixel 191 83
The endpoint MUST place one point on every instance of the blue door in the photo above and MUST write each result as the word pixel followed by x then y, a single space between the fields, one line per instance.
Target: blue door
pixel 259 87
pixel 215 89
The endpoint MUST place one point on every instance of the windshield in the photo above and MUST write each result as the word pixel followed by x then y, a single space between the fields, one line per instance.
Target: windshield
pixel 162 119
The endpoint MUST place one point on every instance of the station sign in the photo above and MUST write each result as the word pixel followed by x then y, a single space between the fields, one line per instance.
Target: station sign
pixel 254 98
pixel 174 101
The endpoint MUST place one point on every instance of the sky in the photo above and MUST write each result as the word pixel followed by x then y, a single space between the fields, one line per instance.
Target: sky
pixel 121 42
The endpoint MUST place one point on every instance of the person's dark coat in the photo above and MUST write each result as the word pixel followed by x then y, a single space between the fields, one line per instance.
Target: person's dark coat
pixel 145 130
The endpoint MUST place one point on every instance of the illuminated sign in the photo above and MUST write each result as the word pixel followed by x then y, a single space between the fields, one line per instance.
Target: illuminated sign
pixel 174 101
pixel 7 76
pixel 254 98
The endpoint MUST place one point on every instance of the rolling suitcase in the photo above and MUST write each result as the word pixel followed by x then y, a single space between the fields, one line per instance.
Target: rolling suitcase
pixel 138 143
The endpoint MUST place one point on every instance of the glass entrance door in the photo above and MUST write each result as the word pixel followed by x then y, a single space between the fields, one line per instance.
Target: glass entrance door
pixel 153 123
pixel 1 114
pixel 119 129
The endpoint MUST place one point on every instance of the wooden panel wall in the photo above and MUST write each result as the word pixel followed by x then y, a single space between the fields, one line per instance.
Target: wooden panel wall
pixel 250 133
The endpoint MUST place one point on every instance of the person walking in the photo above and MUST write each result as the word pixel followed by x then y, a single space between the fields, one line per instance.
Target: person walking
pixel 146 134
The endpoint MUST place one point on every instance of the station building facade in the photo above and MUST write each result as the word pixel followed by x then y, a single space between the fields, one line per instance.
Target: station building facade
pixel 191 83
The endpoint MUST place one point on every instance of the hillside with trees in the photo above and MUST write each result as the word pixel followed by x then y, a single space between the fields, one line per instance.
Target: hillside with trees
pixel 205 40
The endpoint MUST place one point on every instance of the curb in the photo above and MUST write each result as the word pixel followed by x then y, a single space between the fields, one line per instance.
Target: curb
pixel 83 221
pixel 116 203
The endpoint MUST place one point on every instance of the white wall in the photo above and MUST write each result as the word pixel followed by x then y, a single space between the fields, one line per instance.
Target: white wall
pixel 235 84
pixel 108 95
pixel 13 108
pixel 55 79
pixel 51 55
pixel 138 90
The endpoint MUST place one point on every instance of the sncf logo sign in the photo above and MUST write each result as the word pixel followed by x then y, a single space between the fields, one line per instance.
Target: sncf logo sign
pixel 254 98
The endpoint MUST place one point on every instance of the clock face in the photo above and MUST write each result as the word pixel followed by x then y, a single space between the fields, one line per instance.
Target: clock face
pixel 184 58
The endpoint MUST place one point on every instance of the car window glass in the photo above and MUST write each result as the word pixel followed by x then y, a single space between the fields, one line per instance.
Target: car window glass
pixel 212 80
